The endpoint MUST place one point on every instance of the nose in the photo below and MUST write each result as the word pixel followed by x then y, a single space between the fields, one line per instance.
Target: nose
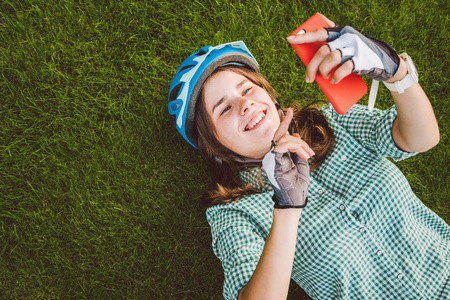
pixel 245 104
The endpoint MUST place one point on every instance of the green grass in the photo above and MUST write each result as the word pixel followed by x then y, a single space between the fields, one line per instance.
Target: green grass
pixel 99 195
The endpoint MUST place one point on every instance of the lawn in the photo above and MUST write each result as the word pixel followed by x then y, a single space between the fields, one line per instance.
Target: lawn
pixel 99 195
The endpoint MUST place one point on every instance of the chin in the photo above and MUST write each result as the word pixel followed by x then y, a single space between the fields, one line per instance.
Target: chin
pixel 259 155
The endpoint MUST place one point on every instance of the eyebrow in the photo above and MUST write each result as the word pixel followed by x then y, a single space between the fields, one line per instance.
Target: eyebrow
pixel 225 97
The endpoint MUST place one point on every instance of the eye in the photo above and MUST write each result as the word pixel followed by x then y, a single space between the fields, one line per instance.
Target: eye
pixel 225 109
pixel 246 91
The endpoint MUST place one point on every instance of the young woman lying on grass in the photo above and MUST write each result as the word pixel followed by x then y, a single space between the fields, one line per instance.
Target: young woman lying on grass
pixel 319 202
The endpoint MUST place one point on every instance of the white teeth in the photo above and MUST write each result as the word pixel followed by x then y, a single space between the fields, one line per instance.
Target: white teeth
pixel 255 120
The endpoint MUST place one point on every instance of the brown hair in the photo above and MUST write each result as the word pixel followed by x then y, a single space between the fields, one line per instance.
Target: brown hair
pixel 313 129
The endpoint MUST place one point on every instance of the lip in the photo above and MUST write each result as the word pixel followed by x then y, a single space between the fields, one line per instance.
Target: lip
pixel 253 118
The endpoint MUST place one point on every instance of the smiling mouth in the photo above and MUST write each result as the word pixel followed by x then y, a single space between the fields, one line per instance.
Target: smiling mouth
pixel 255 121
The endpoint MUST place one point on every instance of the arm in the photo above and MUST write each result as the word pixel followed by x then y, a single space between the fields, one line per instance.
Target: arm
pixel 415 129
pixel 289 176
pixel 271 277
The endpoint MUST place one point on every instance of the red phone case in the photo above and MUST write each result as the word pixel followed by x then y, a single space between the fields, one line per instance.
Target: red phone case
pixel 342 95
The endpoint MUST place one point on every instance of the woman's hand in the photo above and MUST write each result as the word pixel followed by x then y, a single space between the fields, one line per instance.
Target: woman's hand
pixel 353 51
pixel 290 178
pixel 287 167
pixel 415 129
pixel 284 142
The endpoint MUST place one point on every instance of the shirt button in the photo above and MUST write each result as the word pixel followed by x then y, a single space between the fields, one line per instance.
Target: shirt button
pixel 342 207
pixel 320 192
pixel 344 157
pixel 380 252
pixel 423 298
pixel 400 276
pixel 362 230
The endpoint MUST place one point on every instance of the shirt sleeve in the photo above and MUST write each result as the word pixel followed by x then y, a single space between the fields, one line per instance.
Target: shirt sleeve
pixel 238 243
pixel 373 129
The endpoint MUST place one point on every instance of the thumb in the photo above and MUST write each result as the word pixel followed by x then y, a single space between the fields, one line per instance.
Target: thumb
pixel 284 125
pixel 319 35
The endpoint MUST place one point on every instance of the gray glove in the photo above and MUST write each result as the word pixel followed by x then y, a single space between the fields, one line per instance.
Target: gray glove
pixel 371 57
pixel 289 176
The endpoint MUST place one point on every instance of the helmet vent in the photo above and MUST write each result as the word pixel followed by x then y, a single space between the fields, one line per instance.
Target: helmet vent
pixel 200 53
pixel 186 67
pixel 174 92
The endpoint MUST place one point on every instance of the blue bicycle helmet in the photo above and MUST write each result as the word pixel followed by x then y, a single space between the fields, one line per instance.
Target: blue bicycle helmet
pixel 191 75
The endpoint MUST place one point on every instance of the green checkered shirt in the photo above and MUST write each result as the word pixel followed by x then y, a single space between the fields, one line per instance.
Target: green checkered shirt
pixel 363 235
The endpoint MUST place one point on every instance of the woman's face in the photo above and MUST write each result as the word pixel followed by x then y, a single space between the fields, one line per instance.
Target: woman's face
pixel 243 114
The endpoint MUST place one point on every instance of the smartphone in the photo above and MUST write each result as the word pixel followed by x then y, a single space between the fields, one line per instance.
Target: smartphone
pixel 342 95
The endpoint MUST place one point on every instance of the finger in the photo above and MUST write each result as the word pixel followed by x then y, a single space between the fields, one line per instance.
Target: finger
pixel 319 35
pixel 293 148
pixel 294 145
pixel 284 125
pixel 305 146
pixel 345 70
pixel 329 63
pixel 295 138
pixel 302 154
pixel 289 138
pixel 313 66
